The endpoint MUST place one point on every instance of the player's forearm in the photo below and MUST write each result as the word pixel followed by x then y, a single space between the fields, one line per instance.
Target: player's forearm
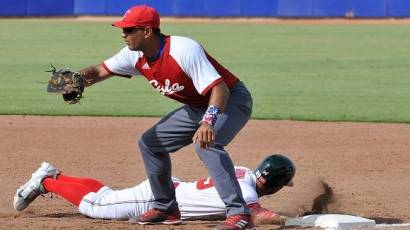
pixel 217 101
pixel 268 218
pixel 94 74
pixel 262 216
pixel 219 96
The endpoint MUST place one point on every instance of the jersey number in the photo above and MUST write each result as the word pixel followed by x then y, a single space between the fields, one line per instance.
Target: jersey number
pixel 208 182
pixel 204 184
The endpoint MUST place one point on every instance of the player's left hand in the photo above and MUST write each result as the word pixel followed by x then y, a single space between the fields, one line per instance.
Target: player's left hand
pixel 205 135
pixel 68 83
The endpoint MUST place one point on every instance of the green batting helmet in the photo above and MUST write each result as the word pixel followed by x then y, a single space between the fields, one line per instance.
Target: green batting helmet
pixel 277 170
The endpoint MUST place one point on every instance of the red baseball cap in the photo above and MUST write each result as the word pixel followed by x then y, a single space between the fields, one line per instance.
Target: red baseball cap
pixel 139 16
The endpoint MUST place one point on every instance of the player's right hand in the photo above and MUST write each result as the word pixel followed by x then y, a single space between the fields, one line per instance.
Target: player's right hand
pixel 205 135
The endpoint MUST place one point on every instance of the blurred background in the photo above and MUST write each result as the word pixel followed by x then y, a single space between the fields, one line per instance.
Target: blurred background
pixel 213 8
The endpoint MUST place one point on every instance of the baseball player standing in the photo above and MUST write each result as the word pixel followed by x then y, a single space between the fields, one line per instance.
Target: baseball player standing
pixel 216 106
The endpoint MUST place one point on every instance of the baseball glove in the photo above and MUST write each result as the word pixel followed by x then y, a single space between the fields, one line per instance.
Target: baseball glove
pixel 68 83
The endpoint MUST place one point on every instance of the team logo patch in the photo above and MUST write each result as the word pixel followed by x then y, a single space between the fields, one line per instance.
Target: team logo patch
pixel 167 88
pixel 258 174
pixel 145 66
pixel 126 13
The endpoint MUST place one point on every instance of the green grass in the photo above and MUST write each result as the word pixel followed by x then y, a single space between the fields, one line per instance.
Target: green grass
pixel 298 72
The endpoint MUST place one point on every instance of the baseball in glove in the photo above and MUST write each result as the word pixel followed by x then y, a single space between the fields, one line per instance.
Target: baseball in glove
pixel 68 83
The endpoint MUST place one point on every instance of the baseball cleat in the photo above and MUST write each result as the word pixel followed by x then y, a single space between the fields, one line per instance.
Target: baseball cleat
pixel 155 216
pixel 33 187
pixel 236 222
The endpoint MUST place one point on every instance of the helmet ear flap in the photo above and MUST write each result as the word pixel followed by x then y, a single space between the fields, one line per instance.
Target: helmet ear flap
pixel 290 184
pixel 276 171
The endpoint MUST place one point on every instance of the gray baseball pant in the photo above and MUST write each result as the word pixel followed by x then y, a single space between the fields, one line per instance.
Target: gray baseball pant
pixel 176 130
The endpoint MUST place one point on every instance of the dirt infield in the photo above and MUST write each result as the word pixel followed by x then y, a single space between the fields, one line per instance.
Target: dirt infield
pixel 366 164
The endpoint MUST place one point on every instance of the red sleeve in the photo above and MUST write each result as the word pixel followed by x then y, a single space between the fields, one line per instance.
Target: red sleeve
pixel 254 206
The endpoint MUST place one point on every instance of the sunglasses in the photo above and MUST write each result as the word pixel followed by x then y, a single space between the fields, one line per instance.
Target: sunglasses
pixel 130 30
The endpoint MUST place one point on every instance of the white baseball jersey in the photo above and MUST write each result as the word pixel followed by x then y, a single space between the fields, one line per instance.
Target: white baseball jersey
pixel 183 71
pixel 197 200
